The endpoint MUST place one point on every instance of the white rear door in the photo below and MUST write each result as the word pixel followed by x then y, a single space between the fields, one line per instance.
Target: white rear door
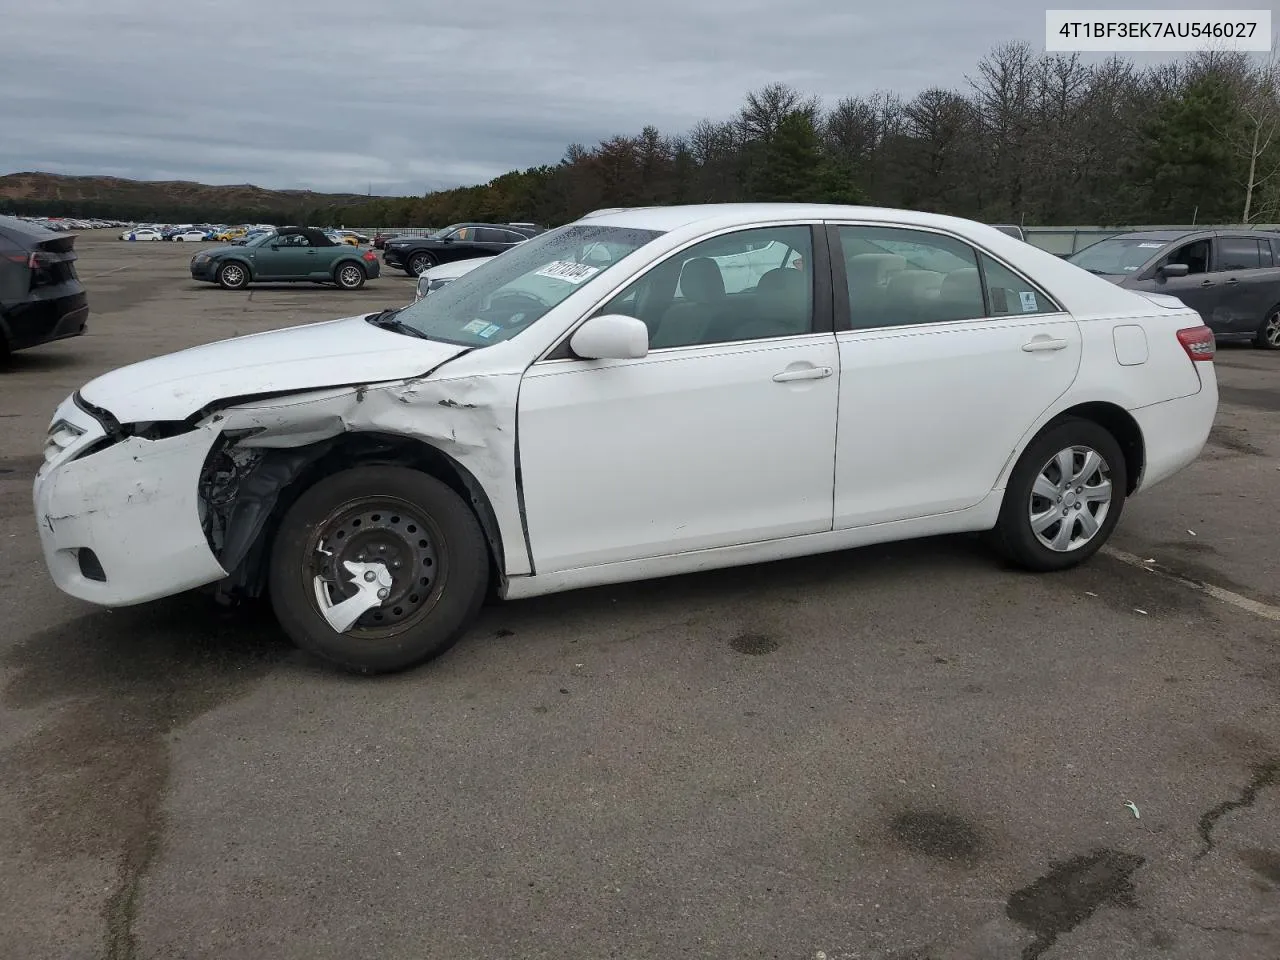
pixel 945 361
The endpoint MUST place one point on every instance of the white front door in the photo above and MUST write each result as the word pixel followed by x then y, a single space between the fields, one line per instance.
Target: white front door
pixel 950 359
pixel 727 438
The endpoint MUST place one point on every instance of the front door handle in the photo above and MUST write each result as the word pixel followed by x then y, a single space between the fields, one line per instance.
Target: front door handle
pixel 1041 344
pixel 1234 280
pixel 1206 283
pixel 808 373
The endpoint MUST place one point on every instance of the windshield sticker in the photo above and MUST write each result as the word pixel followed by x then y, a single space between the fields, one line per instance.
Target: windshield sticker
pixel 1028 300
pixel 1130 269
pixel 488 331
pixel 475 326
pixel 567 271
pixel 1150 246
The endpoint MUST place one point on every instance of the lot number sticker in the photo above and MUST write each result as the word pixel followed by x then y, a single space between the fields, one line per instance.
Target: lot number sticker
pixel 1028 300
pixel 567 271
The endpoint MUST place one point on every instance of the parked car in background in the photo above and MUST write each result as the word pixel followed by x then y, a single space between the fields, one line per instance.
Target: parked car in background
pixel 290 254
pixel 143 233
pixel 41 298
pixel 437 277
pixel 460 241
pixel 1232 277
pixel 365 473
pixel 193 235
pixel 350 236
pixel 380 239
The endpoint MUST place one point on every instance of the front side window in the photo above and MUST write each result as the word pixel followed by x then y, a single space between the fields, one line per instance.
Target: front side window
pixel 747 285
pixel 899 277
pixel 1195 255
pixel 508 294
pixel 1238 253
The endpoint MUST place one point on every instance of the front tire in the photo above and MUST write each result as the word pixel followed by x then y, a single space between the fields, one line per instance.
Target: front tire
pixel 1268 335
pixel 401 522
pixel 349 276
pixel 233 276
pixel 419 264
pixel 1064 497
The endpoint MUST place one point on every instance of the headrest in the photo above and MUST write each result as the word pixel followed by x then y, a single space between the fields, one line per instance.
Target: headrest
pixel 700 280
pixel 962 284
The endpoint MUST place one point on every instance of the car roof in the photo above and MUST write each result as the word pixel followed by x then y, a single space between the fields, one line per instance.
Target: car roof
pixel 727 214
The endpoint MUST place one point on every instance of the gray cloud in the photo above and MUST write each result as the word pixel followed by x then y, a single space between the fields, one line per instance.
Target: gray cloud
pixel 406 96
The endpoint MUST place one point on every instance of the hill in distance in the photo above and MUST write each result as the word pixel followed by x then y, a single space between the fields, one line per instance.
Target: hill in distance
pixel 55 194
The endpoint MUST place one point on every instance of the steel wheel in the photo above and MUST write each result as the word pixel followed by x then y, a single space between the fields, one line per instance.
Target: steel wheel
pixel 1070 499
pixel 1269 333
pixel 350 276
pixel 370 532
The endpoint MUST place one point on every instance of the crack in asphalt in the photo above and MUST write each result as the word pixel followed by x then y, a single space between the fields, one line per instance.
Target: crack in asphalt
pixel 1264 775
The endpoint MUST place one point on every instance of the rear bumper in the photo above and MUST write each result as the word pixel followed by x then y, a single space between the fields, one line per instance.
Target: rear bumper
pixel 34 322
pixel 1174 432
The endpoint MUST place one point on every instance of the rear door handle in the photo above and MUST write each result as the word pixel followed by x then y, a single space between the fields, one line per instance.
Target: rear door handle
pixel 809 373
pixel 1041 344
pixel 1206 283
pixel 1234 280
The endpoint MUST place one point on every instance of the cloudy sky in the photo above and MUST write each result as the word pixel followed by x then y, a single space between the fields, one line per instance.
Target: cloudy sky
pixel 403 96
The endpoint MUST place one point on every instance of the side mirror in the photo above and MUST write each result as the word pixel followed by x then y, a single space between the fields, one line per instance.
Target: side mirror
pixel 275 246
pixel 1174 270
pixel 611 337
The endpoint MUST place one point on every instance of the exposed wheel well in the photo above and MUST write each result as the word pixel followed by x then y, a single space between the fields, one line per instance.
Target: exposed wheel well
pixel 1120 424
pixel 301 468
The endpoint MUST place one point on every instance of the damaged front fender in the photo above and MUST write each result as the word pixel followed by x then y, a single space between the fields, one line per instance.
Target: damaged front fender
pixel 462 429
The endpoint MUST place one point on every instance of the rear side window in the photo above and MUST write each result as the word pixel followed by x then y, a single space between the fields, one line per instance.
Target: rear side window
pixel 1010 294
pixel 901 277
pixel 1239 253
pixel 1267 252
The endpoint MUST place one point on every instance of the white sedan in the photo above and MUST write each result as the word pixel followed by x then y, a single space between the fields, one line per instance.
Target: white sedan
pixel 691 387
pixel 191 236
pixel 145 233
pixel 434 278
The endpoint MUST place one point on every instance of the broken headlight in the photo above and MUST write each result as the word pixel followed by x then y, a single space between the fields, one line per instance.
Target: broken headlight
pixel 60 437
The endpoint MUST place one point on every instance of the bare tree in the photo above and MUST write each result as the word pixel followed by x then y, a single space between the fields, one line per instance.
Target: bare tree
pixel 1253 135
pixel 767 107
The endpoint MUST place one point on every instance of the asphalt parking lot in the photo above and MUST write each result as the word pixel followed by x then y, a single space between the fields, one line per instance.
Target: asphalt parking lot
pixel 902 752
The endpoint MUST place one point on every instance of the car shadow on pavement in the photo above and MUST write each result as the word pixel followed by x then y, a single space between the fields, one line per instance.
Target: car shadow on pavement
pixel 38 361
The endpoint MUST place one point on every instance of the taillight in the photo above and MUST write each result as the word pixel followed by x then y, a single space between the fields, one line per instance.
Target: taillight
pixel 28 260
pixel 1199 342
pixel 370 255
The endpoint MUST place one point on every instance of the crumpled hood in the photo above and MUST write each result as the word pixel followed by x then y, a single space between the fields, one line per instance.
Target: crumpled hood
pixel 308 357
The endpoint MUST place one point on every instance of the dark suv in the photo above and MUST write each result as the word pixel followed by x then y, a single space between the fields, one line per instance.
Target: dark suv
pixel 459 241
pixel 1232 277
pixel 41 298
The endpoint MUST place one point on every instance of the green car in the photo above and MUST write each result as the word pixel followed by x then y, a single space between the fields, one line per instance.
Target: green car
pixel 284 255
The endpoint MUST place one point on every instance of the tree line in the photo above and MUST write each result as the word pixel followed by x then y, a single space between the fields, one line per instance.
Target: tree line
pixel 1032 138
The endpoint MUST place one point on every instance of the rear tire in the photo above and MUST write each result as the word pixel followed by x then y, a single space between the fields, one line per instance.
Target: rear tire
pixel 419 263
pixel 421 533
pixel 233 276
pixel 1268 335
pixel 1053 519
pixel 349 276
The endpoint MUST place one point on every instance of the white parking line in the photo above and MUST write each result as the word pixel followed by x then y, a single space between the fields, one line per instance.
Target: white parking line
pixel 106 273
pixel 1257 608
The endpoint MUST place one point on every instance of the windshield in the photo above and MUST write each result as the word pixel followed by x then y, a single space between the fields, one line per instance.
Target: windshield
pixel 259 240
pixel 1117 256
pixel 511 292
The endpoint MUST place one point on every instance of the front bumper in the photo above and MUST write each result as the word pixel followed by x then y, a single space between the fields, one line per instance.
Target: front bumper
pixel 202 270
pixel 393 258
pixel 134 504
